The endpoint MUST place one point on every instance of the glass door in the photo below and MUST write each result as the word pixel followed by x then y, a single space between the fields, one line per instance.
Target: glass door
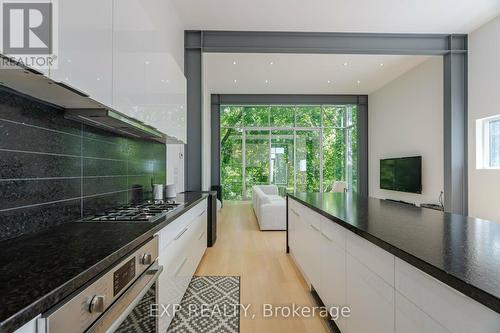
pixel 282 164
pixel 256 163
pixel 307 160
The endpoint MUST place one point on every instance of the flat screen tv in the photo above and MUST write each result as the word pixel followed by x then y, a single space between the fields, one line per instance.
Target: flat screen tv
pixel 402 174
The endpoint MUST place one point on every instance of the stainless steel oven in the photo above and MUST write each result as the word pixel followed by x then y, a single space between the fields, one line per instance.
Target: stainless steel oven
pixel 118 301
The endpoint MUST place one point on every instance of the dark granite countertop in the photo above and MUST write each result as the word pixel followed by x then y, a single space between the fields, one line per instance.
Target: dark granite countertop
pixel 462 252
pixel 39 270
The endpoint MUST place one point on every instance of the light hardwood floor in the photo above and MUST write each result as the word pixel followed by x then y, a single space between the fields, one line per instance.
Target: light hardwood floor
pixel 268 274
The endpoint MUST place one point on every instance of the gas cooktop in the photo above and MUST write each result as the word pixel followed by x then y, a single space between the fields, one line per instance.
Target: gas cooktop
pixel 148 211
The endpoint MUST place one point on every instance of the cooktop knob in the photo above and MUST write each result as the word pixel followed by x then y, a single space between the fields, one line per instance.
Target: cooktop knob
pixel 146 259
pixel 96 304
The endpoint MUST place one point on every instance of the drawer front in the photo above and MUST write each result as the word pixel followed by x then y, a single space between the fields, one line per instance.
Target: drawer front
pixel 410 319
pixel 375 258
pixel 333 232
pixel 452 309
pixel 371 300
pixel 168 234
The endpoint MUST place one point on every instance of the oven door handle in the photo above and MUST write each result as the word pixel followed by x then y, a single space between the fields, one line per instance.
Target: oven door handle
pixel 125 304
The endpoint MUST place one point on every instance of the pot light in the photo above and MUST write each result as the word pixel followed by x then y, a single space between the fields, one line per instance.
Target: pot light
pixel 267 81
pixel 345 64
pixel 329 81
pixel 381 64
pixel 234 62
pixel 235 81
pixel 146 62
pixel 271 63
pixel 358 82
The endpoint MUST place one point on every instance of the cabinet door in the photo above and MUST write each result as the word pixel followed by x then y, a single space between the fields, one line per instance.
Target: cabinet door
pixel 371 300
pixel 85 47
pixel 332 288
pixel 293 217
pixel 410 319
pixel 130 26
pixel 297 236
pixel 312 224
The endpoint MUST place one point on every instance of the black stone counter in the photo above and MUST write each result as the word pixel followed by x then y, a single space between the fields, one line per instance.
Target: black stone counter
pixel 39 270
pixel 461 251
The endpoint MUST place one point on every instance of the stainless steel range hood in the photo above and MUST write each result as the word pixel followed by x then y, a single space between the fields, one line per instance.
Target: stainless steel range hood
pixel 77 104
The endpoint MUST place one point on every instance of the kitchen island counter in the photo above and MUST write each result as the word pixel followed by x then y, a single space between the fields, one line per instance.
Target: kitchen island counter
pixel 460 251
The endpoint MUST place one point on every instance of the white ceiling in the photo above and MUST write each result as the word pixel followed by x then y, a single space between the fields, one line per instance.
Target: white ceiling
pixel 302 73
pixel 425 16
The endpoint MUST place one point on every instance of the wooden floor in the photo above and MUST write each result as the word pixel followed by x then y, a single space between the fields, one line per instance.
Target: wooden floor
pixel 268 274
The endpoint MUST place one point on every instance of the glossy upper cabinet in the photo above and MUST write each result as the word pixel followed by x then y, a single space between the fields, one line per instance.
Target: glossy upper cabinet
pixel 130 24
pixel 147 83
pixel 85 42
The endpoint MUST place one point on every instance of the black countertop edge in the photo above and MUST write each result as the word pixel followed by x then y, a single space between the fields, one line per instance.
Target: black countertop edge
pixel 89 275
pixel 465 288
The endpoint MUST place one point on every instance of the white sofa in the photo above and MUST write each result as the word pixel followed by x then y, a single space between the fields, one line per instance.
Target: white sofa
pixel 269 207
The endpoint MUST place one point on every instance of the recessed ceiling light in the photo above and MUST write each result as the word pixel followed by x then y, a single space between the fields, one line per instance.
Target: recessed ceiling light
pixel 381 64
pixel 146 62
pixel 267 81
pixel 345 64
pixel 358 82
pixel 235 81
pixel 271 63
pixel 98 79
pixel 234 62
pixel 329 81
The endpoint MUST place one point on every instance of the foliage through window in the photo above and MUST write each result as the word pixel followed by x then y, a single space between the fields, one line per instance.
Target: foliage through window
pixel 296 147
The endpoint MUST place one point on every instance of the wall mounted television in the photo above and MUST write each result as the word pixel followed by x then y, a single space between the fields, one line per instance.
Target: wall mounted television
pixel 402 174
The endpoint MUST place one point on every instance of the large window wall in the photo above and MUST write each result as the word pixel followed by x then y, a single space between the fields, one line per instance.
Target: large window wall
pixel 296 147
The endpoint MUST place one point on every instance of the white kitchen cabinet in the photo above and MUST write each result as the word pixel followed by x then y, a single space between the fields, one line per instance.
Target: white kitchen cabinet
pixel 312 232
pixel 29 327
pixel 410 319
pixel 450 308
pixel 371 300
pixel 297 234
pixel 293 228
pixel 85 42
pixel 148 85
pixel 181 247
pixel 375 258
pixel 130 25
pixel 332 287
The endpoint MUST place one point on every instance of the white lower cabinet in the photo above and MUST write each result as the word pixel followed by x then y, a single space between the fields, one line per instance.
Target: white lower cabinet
pixel 312 226
pixel 410 319
pixel 182 245
pixel 370 298
pixel 29 327
pixel 332 287
pixel 451 309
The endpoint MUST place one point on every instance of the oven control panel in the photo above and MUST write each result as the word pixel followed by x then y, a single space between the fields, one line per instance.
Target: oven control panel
pixel 81 309
pixel 123 275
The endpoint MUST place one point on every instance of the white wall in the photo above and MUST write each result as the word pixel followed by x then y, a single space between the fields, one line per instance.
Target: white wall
pixel 175 166
pixel 484 89
pixel 405 118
